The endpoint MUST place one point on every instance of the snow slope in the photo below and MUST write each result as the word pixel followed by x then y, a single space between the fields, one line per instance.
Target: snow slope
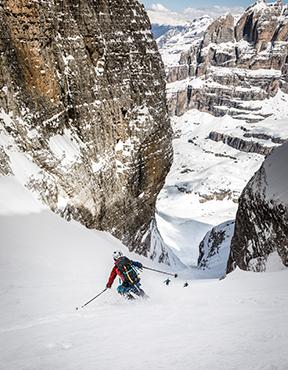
pixel 204 183
pixel 15 199
pixel 50 266
pixel 181 235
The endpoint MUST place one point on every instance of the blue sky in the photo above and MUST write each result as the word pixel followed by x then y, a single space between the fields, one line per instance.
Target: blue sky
pixel 181 4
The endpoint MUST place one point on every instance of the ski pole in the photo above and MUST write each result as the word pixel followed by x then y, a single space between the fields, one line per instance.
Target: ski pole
pixel 161 272
pixel 77 308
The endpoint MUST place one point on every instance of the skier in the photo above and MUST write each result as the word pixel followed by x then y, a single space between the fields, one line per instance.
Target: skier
pixel 125 269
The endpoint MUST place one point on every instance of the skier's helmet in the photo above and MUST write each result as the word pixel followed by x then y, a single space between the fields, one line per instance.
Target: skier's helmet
pixel 117 254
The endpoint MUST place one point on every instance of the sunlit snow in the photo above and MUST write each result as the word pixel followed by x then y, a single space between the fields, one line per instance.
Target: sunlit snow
pixel 49 267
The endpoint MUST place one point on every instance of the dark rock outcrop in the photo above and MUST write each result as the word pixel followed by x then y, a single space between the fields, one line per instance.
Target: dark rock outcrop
pixel 5 168
pixel 275 140
pixel 82 94
pixel 248 146
pixel 215 247
pixel 262 218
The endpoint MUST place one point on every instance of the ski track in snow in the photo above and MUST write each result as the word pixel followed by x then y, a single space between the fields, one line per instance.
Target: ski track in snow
pixel 49 267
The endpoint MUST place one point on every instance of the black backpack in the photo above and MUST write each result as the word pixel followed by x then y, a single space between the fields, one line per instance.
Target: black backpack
pixel 127 271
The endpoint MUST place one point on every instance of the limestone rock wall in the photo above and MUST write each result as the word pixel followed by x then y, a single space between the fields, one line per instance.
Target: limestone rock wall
pixel 82 96
pixel 234 62
pixel 248 146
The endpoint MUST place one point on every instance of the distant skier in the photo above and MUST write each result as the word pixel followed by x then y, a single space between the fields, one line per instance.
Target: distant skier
pixel 167 281
pixel 130 280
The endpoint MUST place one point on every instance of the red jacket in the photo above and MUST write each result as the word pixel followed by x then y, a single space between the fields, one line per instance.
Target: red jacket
pixel 113 275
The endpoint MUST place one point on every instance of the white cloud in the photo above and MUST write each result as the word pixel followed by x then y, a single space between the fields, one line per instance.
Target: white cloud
pixel 159 7
pixel 158 14
pixel 213 11
pixel 161 15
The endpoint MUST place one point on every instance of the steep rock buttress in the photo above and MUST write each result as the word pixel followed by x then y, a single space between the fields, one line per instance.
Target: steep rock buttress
pixel 262 219
pixel 82 99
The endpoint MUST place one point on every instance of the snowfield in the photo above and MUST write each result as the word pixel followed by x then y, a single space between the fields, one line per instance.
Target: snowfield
pixel 204 183
pixel 50 266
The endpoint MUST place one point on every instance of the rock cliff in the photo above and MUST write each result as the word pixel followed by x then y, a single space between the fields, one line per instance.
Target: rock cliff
pixel 234 63
pixel 248 146
pixel 214 249
pixel 262 219
pixel 82 98
pixel 176 44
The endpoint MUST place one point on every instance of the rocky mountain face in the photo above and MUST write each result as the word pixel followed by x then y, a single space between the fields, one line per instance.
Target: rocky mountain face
pixel 262 219
pixel 247 145
pixel 83 112
pixel 234 64
pixel 178 41
pixel 215 247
